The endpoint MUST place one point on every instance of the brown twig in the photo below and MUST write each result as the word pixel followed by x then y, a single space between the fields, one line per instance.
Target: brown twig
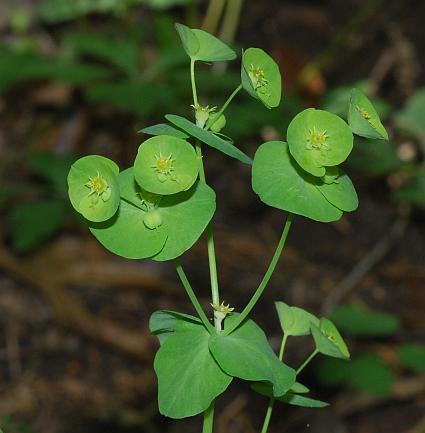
pixel 368 262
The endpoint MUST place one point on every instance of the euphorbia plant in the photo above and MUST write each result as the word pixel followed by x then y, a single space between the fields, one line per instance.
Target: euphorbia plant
pixel 160 207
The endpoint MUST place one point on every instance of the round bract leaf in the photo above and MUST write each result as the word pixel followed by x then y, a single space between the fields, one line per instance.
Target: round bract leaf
pixel 294 320
pixel 166 165
pixel 260 77
pixel 318 139
pixel 126 234
pixel 328 340
pixel 185 216
pixel 363 118
pixel 93 188
pixel 281 183
pixel 340 192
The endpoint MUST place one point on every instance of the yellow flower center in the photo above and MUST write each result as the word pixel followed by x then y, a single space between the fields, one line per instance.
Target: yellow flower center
pixel 316 139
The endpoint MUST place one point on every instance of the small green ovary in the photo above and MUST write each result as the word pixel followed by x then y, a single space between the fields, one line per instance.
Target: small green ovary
pixel 99 189
pixel 257 77
pixel 163 166
pixel 316 139
pixel 152 219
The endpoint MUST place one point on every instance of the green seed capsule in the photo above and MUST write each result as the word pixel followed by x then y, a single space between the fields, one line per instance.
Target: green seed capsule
pixel 219 124
pixel 152 219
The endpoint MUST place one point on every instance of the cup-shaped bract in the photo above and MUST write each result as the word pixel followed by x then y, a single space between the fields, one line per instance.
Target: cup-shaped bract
pixel 363 118
pixel 93 187
pixel 294 320
pixel 201 45
pixel 318 139
pixel 166 165
pixel 260 77
pixel 328 340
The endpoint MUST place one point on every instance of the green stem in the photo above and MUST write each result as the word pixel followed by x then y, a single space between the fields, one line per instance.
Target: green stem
pixel 207 426
pixel 193 297
pixel 215 295
pixel 193 83
pixel 256 296
pixel 223 108
pixel 307 361
pixel 271 401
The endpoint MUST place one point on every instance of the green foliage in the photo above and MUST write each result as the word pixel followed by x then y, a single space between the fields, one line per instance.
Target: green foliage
pixel 413 192
pixel 93 187
pixel 367 373
pixel 294 320
pixel 318 139
pixel 208 138
pixel 376 159
pixel 363 118
pixel 260 77
pixel 166 165
pixel 200 45
pixel 189 378
pixel 246 354
pixel 412 356
pixel 164 129
pixel 360 322
pixel 410 118
pixel 328 340
pixel 33 223
pixel 281 183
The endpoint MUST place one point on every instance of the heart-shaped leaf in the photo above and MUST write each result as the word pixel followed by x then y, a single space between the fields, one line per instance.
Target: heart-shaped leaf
pixel 294 320
pixel 246 353
pixel 189 378
pixel 201 45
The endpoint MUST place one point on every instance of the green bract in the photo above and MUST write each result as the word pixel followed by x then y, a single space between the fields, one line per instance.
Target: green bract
pixel 328 340
pixel 151 225
pixel 318 139
pixel 246 354
pixel 339 190
pixel 189 377
pixel 363 118
pixel 281 183
pixel 294 320
pixel 260 77
pixel 166 165
pixel 93 188
pixel 200 45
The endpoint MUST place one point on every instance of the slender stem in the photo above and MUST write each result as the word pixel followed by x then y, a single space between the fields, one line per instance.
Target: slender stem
pixel 223 108
pixel 193 297
pixel 207 426
pixel 307 361
pixel 193 82
pixel 256 296
pixel 271 401
pixel 213 15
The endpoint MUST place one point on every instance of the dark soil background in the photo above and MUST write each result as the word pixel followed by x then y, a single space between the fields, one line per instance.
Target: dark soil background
pixel 75 350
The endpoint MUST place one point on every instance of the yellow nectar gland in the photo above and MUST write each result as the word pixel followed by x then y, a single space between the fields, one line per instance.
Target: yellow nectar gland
pixel 364 113
pixel 163 166
pixel 257 76
pixel 99 188
pixel 316 139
